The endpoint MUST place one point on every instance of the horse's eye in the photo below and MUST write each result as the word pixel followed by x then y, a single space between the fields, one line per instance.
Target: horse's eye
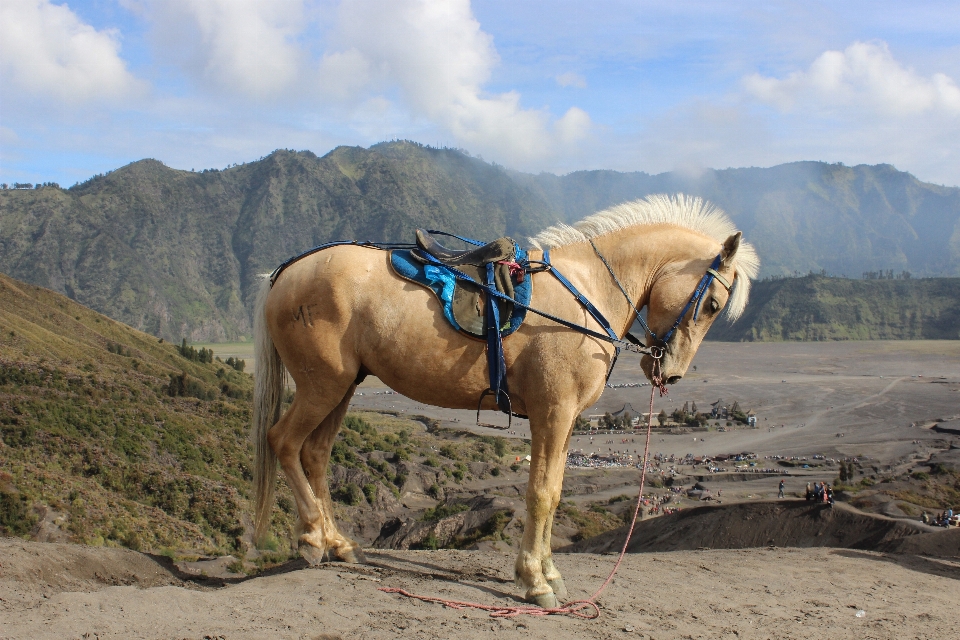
pixel 714 305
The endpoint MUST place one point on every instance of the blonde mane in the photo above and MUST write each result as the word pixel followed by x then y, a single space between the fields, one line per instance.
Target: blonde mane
pixel 680 210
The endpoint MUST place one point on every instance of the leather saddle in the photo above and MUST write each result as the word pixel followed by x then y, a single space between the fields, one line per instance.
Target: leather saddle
pixel 496 251
pixel 468 300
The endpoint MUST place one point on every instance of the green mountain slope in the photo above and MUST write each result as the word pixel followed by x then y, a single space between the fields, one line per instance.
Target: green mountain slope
pixel 821 308
pixel 177 254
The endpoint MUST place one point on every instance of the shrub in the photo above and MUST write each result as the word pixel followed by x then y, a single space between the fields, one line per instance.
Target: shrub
pixel 16 516
pixel 190 353
pixel 349 494
pixel 442 511
pixel 370 491
pixel 236 363
pixel 430 542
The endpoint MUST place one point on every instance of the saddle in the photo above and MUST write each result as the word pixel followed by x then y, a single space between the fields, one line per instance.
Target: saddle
pixel 500 267
pixel 499 250
pixel 468 304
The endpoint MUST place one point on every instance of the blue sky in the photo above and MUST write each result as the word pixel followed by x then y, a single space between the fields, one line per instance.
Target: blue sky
pixel 88 86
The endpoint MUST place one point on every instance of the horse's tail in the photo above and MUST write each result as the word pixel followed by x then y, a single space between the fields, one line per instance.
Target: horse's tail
pixel 267 396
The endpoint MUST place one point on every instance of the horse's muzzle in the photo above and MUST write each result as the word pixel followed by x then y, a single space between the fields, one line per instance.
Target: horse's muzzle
pixel 673 379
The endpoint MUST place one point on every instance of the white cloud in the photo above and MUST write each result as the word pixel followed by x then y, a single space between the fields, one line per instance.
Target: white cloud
pixel 571 79
pixel 864 76
pixel 437 57
pixel 47 51
pixel 247 47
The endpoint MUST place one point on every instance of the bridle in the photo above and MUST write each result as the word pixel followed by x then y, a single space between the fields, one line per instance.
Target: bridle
pixel 696 300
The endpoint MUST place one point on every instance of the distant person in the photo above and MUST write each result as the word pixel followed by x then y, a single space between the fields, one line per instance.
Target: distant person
pixel 780 494
pixel 925 518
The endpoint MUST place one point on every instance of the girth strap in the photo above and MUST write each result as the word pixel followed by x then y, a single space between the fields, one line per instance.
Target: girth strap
pixel 495 362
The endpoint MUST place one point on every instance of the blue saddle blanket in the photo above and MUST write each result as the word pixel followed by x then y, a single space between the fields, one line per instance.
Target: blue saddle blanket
pixel 442 281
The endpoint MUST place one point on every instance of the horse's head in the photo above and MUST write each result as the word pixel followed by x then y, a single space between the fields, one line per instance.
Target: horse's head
pixel 674 299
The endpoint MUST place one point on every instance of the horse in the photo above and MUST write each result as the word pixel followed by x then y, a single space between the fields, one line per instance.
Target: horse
pixel 341 313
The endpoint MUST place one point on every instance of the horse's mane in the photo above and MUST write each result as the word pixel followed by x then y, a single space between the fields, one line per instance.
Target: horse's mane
pixel 681 210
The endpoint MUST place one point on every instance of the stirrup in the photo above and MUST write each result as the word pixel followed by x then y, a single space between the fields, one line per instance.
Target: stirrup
pixel 509 411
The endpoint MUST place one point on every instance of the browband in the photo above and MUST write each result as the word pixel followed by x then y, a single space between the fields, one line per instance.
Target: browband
pixel 720 278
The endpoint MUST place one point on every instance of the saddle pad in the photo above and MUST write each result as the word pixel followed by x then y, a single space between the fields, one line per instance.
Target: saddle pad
pixel 462 302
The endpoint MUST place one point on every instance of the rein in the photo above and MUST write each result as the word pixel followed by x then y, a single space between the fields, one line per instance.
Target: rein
pixel 573 607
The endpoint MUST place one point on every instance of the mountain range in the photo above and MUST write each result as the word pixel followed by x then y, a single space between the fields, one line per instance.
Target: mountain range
pixel 177 253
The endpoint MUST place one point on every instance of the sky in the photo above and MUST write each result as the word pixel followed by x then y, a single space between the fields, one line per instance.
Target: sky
pixel 87 86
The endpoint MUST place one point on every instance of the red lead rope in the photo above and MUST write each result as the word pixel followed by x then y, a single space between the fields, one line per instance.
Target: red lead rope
pixel 574 607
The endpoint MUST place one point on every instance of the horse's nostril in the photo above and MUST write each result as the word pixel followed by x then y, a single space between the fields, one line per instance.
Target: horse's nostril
pixel 673 379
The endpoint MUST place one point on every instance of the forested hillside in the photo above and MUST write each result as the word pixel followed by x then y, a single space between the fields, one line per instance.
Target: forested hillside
pixel 821 308
pixel 177 253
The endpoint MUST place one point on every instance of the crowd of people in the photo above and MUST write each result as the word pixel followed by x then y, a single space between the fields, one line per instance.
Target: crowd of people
pixel 942 519
pixel 817 492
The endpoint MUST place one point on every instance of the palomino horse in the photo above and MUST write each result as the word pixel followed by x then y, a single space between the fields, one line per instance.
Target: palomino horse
pixel 342 312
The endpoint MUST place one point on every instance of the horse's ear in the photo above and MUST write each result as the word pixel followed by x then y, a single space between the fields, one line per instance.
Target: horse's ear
pixel 730 247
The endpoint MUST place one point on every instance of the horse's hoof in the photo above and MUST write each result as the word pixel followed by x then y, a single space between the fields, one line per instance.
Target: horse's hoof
pixel 559 589
pixel 544 600
pixel 311 554
pixel 352 556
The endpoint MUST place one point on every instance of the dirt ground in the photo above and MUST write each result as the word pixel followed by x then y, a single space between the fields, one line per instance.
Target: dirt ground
pixel 756 593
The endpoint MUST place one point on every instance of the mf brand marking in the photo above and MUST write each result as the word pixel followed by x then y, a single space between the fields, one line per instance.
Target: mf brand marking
pixel 303 314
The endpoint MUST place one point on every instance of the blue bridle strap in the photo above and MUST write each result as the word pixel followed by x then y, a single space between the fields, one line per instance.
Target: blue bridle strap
pixel 591 309
pixel 695 300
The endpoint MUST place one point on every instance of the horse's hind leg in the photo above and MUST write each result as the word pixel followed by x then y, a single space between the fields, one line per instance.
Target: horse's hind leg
pixel 286 440
pixel 314 458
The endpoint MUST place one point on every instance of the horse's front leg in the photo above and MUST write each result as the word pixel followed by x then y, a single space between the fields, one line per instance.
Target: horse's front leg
pixel 315 458
pixel 550 571
pixel 535 569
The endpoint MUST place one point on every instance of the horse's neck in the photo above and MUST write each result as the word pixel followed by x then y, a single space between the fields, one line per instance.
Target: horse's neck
pixel 634 267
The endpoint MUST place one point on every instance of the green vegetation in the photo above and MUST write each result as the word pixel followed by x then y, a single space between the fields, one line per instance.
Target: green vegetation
pixel 136 444
pixel 821 308
pixel 202 355
pixel 444 511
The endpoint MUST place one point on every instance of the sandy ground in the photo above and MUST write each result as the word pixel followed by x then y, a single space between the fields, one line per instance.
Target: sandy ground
pixel 757 593
pixel 877 394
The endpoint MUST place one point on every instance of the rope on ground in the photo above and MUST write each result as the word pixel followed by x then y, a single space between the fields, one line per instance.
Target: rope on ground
pixel 573 607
